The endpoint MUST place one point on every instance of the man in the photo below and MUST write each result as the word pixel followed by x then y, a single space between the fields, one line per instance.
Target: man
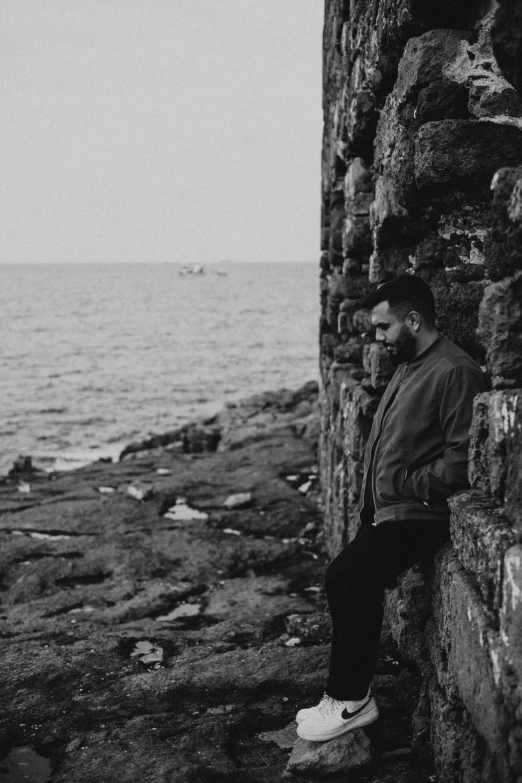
pixel 416 457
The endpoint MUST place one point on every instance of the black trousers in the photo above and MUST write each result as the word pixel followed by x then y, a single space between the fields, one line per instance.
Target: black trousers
pixel 355 584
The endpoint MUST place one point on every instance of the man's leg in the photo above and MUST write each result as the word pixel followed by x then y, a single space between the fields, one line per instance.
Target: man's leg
pixel 355 584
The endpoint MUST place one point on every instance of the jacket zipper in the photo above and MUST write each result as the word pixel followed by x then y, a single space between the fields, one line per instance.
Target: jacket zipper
pixel 377 439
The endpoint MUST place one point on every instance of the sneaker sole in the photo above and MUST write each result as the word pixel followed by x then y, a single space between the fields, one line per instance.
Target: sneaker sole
pixel 356 723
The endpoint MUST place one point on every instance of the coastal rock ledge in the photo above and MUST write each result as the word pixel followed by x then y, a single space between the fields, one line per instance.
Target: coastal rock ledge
pixel 162 634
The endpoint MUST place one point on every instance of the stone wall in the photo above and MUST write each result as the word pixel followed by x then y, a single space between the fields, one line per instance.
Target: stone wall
pixel 422 140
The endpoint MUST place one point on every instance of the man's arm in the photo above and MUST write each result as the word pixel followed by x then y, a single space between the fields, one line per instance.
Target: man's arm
pixel 435 482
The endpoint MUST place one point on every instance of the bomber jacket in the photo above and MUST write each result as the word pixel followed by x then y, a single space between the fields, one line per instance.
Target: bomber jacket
pixel 417 452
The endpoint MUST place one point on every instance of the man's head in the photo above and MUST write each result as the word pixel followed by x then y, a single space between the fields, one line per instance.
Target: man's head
pixel 403 313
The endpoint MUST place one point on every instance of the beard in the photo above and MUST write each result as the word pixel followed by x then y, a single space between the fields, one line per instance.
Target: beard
pixel 404 348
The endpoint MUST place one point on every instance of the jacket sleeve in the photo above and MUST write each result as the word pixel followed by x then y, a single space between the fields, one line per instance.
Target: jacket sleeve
pixel 435 482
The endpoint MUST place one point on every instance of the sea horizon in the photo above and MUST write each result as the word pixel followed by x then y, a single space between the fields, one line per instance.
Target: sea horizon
pixel 100 354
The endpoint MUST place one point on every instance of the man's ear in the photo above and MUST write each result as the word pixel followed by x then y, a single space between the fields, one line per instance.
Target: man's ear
pixel 414 320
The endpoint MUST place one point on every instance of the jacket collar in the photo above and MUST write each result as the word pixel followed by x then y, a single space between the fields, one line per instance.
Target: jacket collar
pixel 427 351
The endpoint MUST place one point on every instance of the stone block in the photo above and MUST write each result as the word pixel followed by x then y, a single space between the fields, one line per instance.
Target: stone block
pixel 484 102
pixel 328 344
pixel 424 60
pixel 500 327
pixel 457 151
pixel 457 309
pixel 324 263
pixel 338 381
pixel 357 235
pixel 361 119
pixel 406 611
pixel 322 759
pixel 355 432
pixel 325 238
pixel 435 252
pixel 509 655
pixel 498 265
pixel 395 184
pixel 496 448
pixel 378 365
pixel 392 224
pixel 442 100
pixel 471 647
pixel 352 266
pixel 336 220
pixel 511 616
pixel 506 35
pixel 362 321
pixel 365 403
pixel 358 179
pixel 507 214
pixel 349 352
pixel 465 273
pixel 481 534
pixel 338 291
pixel 346 312
pixel 458 749
pixel 377 272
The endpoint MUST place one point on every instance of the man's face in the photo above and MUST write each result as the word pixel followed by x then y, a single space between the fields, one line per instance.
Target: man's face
pixel 398 337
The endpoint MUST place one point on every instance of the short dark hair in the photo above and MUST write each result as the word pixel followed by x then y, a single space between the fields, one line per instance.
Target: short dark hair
pixel 404 293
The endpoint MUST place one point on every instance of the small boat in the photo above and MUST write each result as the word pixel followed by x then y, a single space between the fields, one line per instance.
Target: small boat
pixel 195 269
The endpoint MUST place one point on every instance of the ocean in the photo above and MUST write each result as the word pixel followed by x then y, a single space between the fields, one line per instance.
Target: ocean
pixel 94 356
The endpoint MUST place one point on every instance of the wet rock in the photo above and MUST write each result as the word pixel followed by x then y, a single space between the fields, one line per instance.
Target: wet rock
pixel 464 150
pixel 350 751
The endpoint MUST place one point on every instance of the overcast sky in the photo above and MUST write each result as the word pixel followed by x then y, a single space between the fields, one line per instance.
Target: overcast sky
pixel 160 130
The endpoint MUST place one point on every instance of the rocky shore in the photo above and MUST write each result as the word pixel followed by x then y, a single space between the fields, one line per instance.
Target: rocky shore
pixel 163 618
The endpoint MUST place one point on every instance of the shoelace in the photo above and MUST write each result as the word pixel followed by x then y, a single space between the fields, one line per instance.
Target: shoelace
pixel 328 705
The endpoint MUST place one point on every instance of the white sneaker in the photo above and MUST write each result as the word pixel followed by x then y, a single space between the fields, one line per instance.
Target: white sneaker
pixel 307 711
pixel 332 718
pixel 304 713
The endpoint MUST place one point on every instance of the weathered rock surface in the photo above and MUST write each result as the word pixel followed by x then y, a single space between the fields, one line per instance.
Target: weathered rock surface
pixel 140 644
pixel 507 40
pixel 329 758
pixel 464 151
